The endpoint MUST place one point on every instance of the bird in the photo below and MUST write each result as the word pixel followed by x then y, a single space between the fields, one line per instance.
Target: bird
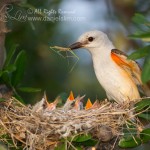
pixel 119 76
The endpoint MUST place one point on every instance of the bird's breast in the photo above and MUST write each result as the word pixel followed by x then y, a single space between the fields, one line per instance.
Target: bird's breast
pixel 114 79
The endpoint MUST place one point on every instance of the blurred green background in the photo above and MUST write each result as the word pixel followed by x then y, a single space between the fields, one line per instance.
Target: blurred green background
pixel 49 71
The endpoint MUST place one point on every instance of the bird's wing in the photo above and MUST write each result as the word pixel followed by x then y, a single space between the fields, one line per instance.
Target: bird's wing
pixel 130 66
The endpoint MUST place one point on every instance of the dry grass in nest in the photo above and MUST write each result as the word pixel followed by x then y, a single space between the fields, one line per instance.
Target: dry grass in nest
pixel 38 131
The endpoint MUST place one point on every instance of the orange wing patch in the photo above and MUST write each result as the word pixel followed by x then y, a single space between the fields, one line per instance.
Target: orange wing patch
pixel 118 59
pixel 130 66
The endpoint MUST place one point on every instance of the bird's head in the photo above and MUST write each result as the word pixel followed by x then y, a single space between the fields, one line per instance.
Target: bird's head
pixel 91 40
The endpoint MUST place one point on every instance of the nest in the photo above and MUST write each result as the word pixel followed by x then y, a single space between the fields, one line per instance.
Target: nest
pixel 40 131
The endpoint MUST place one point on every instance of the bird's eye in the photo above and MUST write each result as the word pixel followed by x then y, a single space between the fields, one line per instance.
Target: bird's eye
pixel 90 39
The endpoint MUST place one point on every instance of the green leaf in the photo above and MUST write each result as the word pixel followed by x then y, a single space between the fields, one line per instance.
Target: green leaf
pixel 3 146
pixel 82 138
pixel 145 135
pixel 142 104
pixel 88 143
pixel 18 97
pixel 61 147
pixel 139 19
pixel 1 72
pixel 10 55
pixel 29 89
pixel 79 148
pixel 142 35
pixel 145 116
pixel 129 129
pixel 20 67
pixel 142 52
pixel 146 70
pixel 10 68
pixel 129 142
pixel 6 78
pixel 8 139
pixel 2 99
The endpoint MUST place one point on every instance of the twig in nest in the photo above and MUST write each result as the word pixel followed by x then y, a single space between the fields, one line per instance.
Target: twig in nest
pixel 131 133
pixel 115 143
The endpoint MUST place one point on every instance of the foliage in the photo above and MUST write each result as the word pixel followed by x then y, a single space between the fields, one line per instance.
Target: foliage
pixel 78 141
pixel 145 135
pixel 13 71
pixel 132 139
pixel 142 33
pixel 129 142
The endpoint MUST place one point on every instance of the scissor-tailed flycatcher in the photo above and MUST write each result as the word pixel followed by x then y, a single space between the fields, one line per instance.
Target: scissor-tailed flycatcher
pixel 119 76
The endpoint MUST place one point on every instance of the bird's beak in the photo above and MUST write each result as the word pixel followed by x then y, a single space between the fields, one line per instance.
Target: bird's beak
pixel 76 45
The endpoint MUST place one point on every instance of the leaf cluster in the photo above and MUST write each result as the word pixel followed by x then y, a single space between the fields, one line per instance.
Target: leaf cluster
pixel 132 137
pixel 13 71
pixel 143 33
